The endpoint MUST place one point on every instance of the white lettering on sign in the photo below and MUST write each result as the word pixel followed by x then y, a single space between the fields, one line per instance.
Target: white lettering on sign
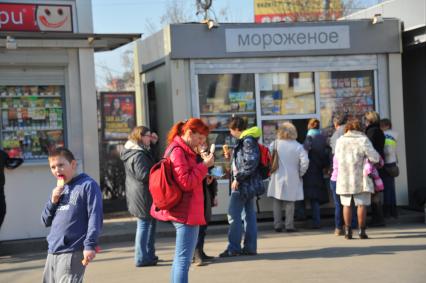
pixel 6 17
pixel 285 39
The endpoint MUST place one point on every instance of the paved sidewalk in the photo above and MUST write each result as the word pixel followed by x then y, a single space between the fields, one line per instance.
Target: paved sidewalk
pixel 123 229
pixel 395 254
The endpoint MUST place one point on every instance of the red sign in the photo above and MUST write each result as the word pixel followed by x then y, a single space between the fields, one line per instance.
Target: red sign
pixel 35 17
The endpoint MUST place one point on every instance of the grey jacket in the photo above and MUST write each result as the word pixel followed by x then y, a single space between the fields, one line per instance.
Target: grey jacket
pixel 137 163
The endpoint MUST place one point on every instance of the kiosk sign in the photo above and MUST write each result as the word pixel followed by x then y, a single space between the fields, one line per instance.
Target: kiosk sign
pixel 287 39
pixel 35 17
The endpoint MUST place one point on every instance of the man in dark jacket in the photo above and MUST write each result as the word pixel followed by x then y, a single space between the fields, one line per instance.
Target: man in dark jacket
pixel 138 159
pixel 246 183
pixel 9 163
pixel 377 138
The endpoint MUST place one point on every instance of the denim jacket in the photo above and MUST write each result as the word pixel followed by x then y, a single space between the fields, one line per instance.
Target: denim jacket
pixel 246 159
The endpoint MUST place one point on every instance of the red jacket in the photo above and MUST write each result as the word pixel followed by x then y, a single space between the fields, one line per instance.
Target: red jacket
pixel 189 175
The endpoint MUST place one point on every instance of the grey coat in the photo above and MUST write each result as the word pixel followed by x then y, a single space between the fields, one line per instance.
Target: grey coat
pixel 137 163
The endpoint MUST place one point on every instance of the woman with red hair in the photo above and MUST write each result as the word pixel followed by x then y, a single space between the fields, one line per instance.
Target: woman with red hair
pixel 183 141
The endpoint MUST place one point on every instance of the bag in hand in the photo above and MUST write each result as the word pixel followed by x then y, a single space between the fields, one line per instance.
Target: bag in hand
pixel 275 159
pixel 392 170
pixel 165 192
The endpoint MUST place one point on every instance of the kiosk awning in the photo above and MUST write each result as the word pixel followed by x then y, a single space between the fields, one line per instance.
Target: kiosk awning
pixel 99 42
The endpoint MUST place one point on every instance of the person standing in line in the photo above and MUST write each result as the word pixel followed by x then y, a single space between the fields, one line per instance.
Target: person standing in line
pixel 246 184
pixel 391 159
pixel 339 122
pixel 377 138
pixel 210 200
pixel 352 185
pixel 286 184
pixel 183 140
pixel 8 163
pixel 314 188
pixel 74 213
pixel 138 159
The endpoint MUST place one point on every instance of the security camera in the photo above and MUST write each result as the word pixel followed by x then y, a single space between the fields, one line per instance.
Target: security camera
pixel 377 19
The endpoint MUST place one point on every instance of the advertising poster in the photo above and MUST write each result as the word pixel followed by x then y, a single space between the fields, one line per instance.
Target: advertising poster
pixel 118 114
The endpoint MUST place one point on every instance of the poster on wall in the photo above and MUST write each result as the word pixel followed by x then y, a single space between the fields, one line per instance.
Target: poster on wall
pixel 118 114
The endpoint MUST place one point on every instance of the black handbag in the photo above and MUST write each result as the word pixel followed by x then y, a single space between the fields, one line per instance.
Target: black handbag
pixel 392 170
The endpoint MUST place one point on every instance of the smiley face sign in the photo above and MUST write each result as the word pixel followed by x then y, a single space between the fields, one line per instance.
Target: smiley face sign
pixel 54 18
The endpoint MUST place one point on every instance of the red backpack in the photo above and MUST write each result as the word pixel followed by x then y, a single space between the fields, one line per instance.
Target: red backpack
pixel 264 162
pixel 164 190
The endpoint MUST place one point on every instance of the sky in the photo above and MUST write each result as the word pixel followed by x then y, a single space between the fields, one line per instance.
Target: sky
pixel 132 16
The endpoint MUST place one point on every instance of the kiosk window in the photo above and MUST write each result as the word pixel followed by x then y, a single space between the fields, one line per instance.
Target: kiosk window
pixel 287 93
pixel 32 120
pixel 221 96
pixel 350 92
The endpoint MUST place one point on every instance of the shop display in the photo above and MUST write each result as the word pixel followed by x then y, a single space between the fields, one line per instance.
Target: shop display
pixel 32 120
pixel 350 92
pixel 287 93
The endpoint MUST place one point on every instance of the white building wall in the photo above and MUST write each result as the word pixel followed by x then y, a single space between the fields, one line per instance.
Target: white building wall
pixel 29 186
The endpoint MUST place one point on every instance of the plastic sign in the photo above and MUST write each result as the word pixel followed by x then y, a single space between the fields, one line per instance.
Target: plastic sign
pixel 267 11
pixel 35 17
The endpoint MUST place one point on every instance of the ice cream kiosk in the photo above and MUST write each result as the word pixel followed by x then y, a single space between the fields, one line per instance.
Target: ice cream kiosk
pixel 271 73
pixel 47 99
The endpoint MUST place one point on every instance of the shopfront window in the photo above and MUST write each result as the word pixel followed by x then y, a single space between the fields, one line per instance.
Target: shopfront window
pixel 350 92
pixel 32 120
pixel 287 93
pixel 221 96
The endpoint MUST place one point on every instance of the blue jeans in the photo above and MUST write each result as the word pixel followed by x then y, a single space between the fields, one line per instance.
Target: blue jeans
pixel 144 241
pixel 186 239
pixel 241 210
pixel 338 216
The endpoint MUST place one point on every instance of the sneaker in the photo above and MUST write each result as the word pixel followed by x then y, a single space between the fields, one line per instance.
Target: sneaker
pixel 290 230
pixel 227 253
pixel 152 263
pixel 278 230
pixel 338 232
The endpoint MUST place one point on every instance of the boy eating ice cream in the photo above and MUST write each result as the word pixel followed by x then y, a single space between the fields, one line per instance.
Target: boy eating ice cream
pixel 74 212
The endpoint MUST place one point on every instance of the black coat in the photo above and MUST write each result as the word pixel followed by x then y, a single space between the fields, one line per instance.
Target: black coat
pixel 137 164
pixel 319 159
pixel 377 138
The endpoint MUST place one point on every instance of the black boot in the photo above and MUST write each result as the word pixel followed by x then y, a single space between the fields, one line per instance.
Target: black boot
pixel 362 234
pixel 206 257
pixel 198 259
pixel 348 232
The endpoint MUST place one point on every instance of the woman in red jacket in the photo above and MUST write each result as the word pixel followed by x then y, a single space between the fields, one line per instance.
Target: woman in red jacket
pixel 183 140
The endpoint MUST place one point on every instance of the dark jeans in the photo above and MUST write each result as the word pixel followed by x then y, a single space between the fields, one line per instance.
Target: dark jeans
pixel 338 216
pixel 389 195
pixel 201 236
pixel 2 205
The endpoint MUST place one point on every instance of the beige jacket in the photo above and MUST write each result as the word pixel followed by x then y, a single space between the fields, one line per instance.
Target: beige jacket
pixel 351 151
